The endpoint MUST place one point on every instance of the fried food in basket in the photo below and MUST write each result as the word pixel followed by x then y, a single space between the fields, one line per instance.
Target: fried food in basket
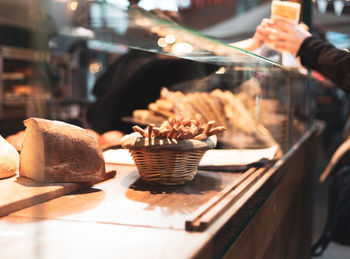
pixel 170 153
pixel 180 127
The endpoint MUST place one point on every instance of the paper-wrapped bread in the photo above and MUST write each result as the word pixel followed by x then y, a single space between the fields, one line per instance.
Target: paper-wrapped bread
pixel 54 151
pixel 9 159
pixel 285 10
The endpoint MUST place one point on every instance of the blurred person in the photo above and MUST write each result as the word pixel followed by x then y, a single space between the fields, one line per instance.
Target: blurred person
pixel 333 63
pixel 257 45
pixel 313 52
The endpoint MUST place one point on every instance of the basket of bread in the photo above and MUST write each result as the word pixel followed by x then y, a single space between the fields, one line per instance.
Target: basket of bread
pixel 170 154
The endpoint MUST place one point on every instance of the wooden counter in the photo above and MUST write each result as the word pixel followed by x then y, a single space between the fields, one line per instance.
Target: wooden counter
pixel 259 213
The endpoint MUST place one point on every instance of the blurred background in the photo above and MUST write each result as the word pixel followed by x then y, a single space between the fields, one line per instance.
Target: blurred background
pixel 29 39
pixel 72 66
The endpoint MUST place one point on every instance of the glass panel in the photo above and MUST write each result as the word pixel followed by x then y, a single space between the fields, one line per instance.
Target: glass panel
pixel 113 59
pixel 137 28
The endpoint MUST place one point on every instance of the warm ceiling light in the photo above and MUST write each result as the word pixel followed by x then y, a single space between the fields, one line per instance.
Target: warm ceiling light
pixel 162 42
pixel 221 70
pixel 181 48
pixel 73 5
pixel 170 39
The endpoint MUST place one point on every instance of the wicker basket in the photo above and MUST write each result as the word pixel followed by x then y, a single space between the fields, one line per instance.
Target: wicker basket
pixel 164 161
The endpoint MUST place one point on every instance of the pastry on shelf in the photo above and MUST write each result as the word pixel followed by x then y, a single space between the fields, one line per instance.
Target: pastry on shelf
pixel 237 112
pixel 110 139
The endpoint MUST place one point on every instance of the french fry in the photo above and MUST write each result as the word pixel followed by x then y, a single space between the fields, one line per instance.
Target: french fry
pixel 180 116
pixel 188 134
pixel 156 132
pixel 165 124
pixel 141 131
pixel 172 133
pixel 195 123
pixel 186 122
pixel 193 131
pixel 150 128
pixel 217 130
pixel 201 136
pixel 180 135
pixel 208 127
pixel 164 132
pixel 171 121
pixel 180 131
pixel 179 127
pixel 201 129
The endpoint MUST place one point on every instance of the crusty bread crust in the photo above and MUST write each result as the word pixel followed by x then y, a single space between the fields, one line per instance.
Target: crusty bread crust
pixel 71 154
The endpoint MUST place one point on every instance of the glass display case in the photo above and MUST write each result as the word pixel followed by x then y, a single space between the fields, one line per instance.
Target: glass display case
pixel 124 66
pixel 108 66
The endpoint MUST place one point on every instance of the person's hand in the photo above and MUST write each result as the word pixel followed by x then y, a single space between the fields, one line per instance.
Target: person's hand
pixel 250 44
pixel 281 35
pixel 257 40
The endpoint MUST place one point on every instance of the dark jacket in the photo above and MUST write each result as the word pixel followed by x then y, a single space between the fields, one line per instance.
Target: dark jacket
pixel 330 61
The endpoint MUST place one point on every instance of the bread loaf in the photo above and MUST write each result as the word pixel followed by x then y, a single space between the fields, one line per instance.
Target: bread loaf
pixel 54 151
pixel 9 159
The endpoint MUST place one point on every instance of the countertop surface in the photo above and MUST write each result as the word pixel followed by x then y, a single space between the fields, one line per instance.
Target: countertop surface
pixel 123 217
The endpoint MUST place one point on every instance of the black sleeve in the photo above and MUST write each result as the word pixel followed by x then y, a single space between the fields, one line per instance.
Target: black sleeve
pixel 330 61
